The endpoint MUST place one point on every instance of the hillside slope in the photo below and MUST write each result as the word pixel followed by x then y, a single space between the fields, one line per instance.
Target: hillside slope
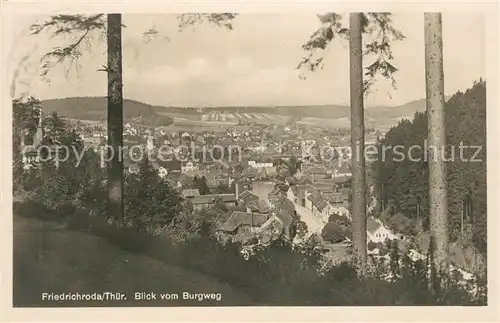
pixel 52 260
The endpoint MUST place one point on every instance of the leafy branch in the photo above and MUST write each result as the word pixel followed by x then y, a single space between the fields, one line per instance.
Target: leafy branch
pixel 380 31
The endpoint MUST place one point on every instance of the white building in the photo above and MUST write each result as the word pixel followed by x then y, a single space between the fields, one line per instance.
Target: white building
pixel 377 232
pixel 188 167
pixel 342 172
pixel 255 164
pixel 162 172
pixel 150 145
pixel 340 210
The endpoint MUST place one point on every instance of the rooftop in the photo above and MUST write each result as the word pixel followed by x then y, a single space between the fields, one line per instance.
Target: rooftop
pixel 372 225
pixel 238 218
pixel 210 199
pixel 190 192
pixel 248 196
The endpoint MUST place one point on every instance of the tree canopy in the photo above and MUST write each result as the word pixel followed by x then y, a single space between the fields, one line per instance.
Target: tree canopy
pixel 402 184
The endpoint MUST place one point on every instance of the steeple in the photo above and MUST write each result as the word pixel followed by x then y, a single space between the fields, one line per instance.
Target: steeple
pixel 150 143
pixel 38 137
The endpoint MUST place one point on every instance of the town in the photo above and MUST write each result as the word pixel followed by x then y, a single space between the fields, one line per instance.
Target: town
pixel 272 181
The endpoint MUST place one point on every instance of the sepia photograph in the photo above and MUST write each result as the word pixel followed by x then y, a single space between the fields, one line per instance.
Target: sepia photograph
pixel 248 159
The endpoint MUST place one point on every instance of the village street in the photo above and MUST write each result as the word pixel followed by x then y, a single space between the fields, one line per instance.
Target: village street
pixel 314 223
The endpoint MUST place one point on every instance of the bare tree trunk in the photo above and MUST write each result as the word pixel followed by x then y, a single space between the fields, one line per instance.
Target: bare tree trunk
pixel 115 117
pixel 434 81
pixel 357 142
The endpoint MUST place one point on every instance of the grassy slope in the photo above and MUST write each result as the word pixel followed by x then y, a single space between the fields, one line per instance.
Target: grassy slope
pixel 51 259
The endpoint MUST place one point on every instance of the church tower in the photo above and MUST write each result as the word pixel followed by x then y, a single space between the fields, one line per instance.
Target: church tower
pixel 150 141
pixel 29 152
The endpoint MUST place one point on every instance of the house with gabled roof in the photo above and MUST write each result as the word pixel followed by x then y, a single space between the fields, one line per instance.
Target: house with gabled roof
pixel 289 207
pixel 133 168
pixel 318 205
pixel 283 171
pixel 202 202
pixel 339 203
pixel 243 221
pixel 342 182
pixel 280 221
pixel 250 172
pixel 318 171
pixel 292 193
pixel 200 140
pixel 377 232
pixel 266 172
pixel 290 180
pixel 247 196
pixel 191 192
pixel 275 195
pixel 257 206
pixel 343 171
pixel 300 193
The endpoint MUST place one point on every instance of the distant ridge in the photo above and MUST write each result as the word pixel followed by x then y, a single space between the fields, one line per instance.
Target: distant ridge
pixel 94 108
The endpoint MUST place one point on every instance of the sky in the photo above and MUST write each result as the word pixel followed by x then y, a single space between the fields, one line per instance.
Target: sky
pixel 254 64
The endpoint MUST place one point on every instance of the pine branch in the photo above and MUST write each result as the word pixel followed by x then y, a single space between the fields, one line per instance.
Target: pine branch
pixel 84 26
pixel 67 25
pixel 103 68
pixel 320 39
pixel 377 24
pixel 191 20
pixel 381 24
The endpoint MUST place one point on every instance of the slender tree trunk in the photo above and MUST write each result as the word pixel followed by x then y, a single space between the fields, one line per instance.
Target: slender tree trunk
pixel 115 117
pixel 434 81
pixel 357 142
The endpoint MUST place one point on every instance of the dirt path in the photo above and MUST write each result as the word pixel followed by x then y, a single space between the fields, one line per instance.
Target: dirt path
pixel 49 259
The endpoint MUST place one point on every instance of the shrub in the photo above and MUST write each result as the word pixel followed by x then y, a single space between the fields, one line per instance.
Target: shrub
pixel 333 233
pixel 150 203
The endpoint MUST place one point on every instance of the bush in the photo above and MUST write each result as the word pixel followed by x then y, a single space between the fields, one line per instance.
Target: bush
pixel 372 245
pixel 333 233
pixel 150 203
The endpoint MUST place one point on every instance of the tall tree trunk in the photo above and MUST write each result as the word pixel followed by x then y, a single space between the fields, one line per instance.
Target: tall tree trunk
pixel 438 208
pixel 357 142
pixel 115 117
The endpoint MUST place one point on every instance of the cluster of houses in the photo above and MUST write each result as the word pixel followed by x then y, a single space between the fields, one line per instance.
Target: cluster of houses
pixel 259 221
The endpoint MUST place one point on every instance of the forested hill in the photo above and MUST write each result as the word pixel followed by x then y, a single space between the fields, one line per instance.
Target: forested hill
pixel 95 108
pixel 403 185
